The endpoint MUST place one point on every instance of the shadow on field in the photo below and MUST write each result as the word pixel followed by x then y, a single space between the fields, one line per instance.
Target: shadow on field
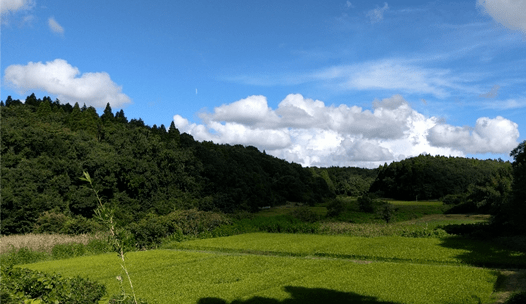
pixel 486 253
pixel 303 295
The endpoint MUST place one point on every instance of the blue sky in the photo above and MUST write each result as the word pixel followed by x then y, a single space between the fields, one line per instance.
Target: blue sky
pixel 320 83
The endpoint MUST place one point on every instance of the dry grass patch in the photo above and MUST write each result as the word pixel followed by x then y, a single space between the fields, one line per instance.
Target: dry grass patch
pixel 40 242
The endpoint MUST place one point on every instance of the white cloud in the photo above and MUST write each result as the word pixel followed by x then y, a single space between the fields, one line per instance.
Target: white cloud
pixel 348 4
pixel 60 78
pixel 498 135
pixel 377 14
pixel 54 26
pixel 307 131
pixel 510 13
pixel 7 6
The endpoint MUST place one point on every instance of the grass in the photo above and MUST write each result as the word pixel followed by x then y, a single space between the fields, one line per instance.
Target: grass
pixel 453 251
pixel 165 276
pixel 40 242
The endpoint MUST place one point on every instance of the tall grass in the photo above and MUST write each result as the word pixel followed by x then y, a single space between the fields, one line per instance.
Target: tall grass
pixel 41 242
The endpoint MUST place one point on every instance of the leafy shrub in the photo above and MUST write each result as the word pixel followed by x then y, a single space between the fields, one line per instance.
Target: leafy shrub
pixel 305 214
pixel 153 229
pixel 98 246
pixel 276 224
pixel 22 285
pixel 386 211
pixel 80 225
pixel 69 250
pixel 454 199
pixel 54 222
pixel 50 222
pixel 426 233
pixel 22 256
pixel 365 203
pixel 335 207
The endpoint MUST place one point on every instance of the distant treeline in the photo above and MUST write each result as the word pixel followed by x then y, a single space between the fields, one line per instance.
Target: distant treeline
pixel 141 170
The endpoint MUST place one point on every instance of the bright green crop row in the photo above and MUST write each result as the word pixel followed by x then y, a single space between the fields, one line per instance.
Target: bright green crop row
pixel 165 276
pixel 415 250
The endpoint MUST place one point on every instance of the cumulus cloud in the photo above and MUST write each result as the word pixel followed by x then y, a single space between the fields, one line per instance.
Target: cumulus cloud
pixel 510 13
pixel 7 6
pixel 309 132
pixel 59 78
pixel 54 26
pixel 377 14
pixel 498 135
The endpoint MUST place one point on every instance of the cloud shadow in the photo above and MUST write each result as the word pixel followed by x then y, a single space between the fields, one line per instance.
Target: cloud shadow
pixel 303 295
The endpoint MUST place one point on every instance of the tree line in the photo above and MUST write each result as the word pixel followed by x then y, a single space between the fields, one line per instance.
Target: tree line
pixel 140 170
pixel 46 147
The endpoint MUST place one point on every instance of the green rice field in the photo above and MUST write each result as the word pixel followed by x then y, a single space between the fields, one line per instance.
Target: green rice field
pixel 167 276
pixel 454 251
pixel 297 268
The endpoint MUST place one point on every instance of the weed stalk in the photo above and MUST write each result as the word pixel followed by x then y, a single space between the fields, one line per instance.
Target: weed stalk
pixel 116 238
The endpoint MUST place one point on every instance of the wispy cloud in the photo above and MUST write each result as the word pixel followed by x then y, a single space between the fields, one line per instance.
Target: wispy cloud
pixel 377 14
pixel 491 94
pixel 393 74
pixel 507 104
pixel 54 26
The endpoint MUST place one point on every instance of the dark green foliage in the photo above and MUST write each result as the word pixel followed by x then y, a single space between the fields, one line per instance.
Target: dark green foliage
pixel 69 250
pixel 136 168
pixel 366 203
pixel 454 199
pixel 150 231
pixel 385 210
pixel 54 222
pixel 335 207
pixel 431 177
pixel 19 285
pixel 22 256
pixel 517 298
pixel 305 214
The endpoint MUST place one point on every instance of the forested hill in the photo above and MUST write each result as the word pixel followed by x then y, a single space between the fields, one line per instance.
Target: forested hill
pixel 46 146
pixel 433 177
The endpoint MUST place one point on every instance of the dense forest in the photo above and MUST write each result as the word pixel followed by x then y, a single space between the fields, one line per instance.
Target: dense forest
pixel 46 146
pixel 139 169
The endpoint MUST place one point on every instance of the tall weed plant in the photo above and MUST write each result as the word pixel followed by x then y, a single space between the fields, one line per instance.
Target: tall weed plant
pixel 119 239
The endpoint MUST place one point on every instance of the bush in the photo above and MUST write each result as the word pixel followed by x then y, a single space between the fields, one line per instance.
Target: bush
pixel 22 285
pixel 22 256
pixel 153 229
pixel 54 222
pixel 98 246
pixel 335 207
pixel 386 211
pixel 454 199
pixel 305 214
pixel 69 250
pixel 366 204
pixel 50 222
